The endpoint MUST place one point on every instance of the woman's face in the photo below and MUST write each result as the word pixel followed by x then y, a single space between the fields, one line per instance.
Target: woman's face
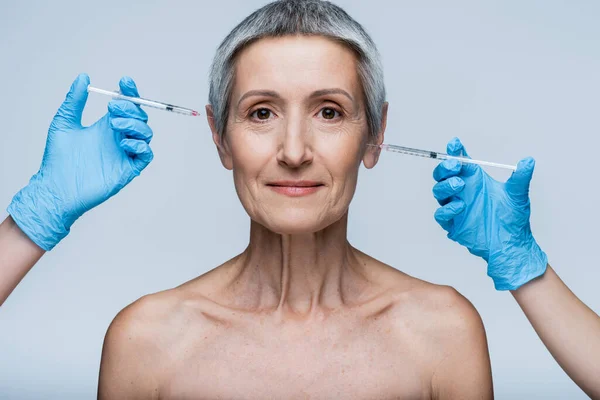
pixel 297 132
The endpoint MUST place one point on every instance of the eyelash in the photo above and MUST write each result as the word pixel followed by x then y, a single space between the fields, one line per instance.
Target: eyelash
pixel 259 121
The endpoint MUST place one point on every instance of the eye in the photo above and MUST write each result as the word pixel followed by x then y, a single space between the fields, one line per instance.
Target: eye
pixel 329 113
pixel 262 114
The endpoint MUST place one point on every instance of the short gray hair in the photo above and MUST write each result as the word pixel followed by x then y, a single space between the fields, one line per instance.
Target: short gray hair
pixel 298 17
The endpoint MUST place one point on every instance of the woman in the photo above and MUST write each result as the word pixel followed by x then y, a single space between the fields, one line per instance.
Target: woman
pixel 300 308
pixel 296 95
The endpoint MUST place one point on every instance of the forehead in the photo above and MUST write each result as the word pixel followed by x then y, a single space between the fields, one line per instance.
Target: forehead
pixel 296 63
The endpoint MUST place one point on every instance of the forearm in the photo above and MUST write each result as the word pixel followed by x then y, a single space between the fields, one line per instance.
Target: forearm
pixel 18 254
pixel 569 329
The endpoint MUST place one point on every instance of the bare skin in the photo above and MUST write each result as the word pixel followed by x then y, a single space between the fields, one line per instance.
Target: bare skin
pixel 568 328
pixel 18 254
pixel 300 313
pixel 282 321
pixel 375 333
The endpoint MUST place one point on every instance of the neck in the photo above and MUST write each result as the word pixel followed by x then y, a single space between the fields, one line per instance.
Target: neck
pixel 301 274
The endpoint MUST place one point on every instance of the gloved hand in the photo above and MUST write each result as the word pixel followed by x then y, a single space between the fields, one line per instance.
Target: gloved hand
pixel 490 218
pixel 82 166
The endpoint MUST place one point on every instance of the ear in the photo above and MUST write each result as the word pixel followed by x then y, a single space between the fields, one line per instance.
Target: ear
pixel 220 142
pixel 371 155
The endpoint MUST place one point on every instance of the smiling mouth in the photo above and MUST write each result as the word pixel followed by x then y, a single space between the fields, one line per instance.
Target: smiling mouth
pixel 295 188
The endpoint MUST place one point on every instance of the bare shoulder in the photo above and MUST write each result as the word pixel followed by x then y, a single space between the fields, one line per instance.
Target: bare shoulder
pixel 142 321
pixel 457 335
pixel 140 344
pixel 132 348
pixel 446 331
pixel 453 332
pixel 439 306
pixel 449 310
pixel 449 322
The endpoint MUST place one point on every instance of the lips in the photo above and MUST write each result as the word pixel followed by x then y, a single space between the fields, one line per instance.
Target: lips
pixel 295 188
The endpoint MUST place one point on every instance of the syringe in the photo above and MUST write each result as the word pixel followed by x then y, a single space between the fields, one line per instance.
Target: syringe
pixel 146 102
pixel 438 156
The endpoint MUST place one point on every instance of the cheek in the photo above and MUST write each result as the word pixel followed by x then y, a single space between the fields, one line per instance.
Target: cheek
pixel 341 154
pixel 342 162
pixel 250 152
pixel 250 155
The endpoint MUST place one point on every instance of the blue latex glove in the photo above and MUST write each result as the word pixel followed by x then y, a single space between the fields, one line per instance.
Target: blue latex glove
pixel 82 166
pixel 490 218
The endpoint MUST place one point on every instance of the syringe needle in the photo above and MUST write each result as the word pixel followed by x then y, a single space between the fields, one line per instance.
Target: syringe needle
pixel 146 102
pixel 439 156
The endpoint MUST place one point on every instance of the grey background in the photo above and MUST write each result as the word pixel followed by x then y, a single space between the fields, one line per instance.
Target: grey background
pixel 510 78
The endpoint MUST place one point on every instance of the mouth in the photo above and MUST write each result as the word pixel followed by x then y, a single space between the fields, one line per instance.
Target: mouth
pixel 295 188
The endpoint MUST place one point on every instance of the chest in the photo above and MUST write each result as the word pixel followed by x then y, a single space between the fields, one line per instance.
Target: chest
pixel 309 367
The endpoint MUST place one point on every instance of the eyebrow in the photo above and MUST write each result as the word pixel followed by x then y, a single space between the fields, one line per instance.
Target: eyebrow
pixel 316 93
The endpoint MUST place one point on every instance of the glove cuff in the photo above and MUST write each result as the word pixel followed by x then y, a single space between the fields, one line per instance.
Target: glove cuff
pixel 519 267
pixel 37 212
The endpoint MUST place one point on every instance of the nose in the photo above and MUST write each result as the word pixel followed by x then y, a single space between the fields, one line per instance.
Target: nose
pixel 295 147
